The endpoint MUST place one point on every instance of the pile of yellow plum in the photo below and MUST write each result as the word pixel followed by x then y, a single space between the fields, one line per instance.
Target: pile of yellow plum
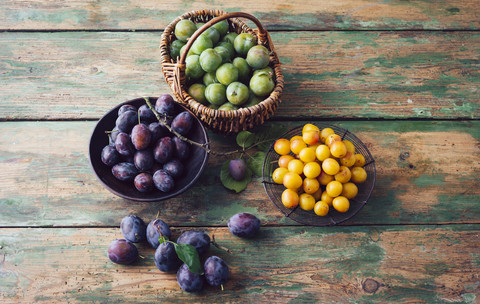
pixel 319 170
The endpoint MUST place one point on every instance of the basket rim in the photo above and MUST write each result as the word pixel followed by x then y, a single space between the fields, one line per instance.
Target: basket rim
pixel 266 107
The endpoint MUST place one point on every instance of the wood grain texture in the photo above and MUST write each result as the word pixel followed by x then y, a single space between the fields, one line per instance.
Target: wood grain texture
pixel 410 264
pixel 427 172
pixel 327 74
pixel 310 14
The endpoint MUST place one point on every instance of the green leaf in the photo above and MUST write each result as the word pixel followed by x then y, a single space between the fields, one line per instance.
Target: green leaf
pixel 162 239
pixel 189 255
pixel 232 184
pixel 245 139
pixel 255 163
pixel 268 134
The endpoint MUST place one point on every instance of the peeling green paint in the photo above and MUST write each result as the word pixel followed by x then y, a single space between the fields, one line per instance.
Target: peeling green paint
pixel 453 10
pixel 437 269
pixel 429 180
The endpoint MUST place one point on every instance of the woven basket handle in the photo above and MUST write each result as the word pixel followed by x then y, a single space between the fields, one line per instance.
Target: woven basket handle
pixel 263 35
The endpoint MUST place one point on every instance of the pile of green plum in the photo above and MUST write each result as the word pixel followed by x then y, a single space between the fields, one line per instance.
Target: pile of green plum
pixel 225 70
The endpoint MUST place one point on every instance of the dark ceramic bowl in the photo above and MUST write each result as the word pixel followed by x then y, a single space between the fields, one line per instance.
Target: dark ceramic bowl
pixel 194 166
pixel 274 190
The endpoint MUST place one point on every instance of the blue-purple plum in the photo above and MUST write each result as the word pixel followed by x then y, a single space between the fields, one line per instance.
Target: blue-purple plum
pixel 133 229
pixel 244 225
pixel 122 252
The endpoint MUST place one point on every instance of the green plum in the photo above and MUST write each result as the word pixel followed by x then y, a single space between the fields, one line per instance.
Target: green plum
pixel 243 43
pixel 210 60
pixel 262 84
pixel 252 100
pixel 199 24
pixel 213 34
pixel 258 57
pixel 227 73
pixel 268 70
pixel 184 29
pixel 243 69
pixel 193 68
pixel 209 78
pixel 215 94
pixel 197 91
pixel 212 106
pixel 189 51
pixel 175 48
pixel 222 27
pixel 237 93
pixel 223 52
pixel 227 107
pixel 202 43
pixel 229 47
pixel 230 37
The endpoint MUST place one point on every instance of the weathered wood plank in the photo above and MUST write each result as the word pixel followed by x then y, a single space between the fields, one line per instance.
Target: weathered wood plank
pixel 427 172
pixel 409 264
pixel 327 74
pixel 312 15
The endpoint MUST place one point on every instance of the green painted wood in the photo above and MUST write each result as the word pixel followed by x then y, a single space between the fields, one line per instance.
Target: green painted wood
pixel 407 264
pixel 427 172
pixel 80 75
pixel 311 15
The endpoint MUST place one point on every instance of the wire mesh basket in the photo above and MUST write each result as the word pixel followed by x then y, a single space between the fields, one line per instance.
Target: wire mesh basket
pixel 274 190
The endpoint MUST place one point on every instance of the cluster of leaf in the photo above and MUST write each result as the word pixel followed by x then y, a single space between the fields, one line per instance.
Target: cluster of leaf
pixel 253 147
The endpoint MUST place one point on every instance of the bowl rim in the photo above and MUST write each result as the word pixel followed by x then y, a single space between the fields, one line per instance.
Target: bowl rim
pixel 165 196
pixel 332 221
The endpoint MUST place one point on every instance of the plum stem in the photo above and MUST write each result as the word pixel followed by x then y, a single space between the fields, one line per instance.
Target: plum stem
pixel 203 146
pixel 160 120
pixel 214 243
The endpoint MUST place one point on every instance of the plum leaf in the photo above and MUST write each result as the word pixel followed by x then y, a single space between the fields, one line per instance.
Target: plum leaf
pixel 230 183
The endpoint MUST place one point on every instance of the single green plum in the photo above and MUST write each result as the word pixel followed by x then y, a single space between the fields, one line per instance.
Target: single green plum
pixel 243 43
pixel 175 48
pixel 209 78
pixel 193 69
pixel 227 107
pixel 262 84
pixel 202 43
pixel 210 60
pixel 227 73
pixel 197 91
pixel 243 69
pixel 230 37
pixel 237 93
pixel 222 27
pixel 258 57
pixel 216 94
pixel 184 29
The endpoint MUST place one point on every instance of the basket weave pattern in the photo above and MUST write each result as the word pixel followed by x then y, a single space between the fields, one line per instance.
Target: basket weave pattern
pixel 224 122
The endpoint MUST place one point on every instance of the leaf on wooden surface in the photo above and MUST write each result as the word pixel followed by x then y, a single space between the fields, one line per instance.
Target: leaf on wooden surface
pixel 232 184
pixel 189 255
pixel 266 135
pixel 255 163
pixel 245 139
pixel 162 239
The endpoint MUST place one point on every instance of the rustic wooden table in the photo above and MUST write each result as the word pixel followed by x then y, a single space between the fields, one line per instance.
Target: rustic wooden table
pixel 402 75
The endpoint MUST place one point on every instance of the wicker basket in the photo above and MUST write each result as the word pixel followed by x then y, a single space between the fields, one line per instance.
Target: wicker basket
pixel 223 122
